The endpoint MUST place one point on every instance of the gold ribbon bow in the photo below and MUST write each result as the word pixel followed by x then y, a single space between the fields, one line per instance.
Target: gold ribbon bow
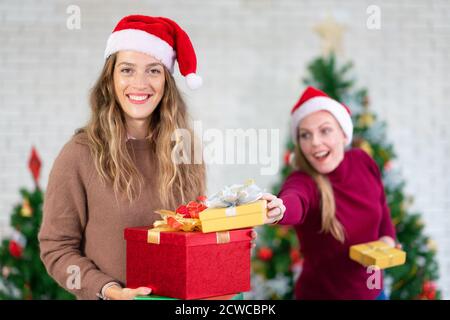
pixel 173 221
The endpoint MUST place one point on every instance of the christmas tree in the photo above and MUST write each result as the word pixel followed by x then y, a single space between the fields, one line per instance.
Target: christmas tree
pixel 23 276
pixel 277 263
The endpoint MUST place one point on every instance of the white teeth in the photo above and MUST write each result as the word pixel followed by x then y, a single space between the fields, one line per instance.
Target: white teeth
pixel 138 98
pixel 321 154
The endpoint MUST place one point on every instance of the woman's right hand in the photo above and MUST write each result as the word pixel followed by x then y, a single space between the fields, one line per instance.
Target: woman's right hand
pixel 118 293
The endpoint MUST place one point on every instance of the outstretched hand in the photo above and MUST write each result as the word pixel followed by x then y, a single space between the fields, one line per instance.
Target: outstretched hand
pixel 275 208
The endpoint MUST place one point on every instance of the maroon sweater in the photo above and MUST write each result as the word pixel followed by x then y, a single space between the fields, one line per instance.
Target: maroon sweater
pixel 328 272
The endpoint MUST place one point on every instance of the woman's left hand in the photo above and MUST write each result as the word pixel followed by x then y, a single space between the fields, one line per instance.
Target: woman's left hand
pixel 254 235
pixel 275 208
pixel 391 242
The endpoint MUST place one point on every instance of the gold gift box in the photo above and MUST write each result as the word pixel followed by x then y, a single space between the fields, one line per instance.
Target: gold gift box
pixel 377 253
pixel 243 216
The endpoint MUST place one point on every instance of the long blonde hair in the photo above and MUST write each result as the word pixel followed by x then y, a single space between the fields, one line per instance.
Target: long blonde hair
pixel 107 136
pixel 330 224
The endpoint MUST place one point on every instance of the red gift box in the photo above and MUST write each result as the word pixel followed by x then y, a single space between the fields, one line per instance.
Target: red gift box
pixel 189 265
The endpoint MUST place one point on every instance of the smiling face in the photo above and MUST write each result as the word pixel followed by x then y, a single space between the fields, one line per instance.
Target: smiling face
pixel 139 85
pixel 322 141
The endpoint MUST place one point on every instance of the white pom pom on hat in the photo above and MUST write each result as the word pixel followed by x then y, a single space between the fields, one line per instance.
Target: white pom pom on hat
pixel 194 81
pixel 159 37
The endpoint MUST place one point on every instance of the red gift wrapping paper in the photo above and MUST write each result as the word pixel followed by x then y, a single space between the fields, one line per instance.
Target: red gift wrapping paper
pixel 189 265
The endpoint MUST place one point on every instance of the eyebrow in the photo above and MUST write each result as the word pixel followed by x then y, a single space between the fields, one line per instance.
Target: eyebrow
pixel 133 65
pixel 326 122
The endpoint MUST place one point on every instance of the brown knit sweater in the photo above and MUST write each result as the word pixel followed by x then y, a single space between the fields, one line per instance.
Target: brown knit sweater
pixel 83 222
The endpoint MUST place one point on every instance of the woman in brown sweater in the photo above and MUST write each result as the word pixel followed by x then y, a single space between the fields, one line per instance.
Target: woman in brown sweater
pixel 118 169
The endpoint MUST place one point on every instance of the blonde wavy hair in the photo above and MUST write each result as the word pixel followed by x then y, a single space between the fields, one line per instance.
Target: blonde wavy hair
pixel 107 135
pixel 330 224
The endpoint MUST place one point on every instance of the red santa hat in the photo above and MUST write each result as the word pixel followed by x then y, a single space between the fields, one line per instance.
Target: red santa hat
pixel 313 100
pixel 159 37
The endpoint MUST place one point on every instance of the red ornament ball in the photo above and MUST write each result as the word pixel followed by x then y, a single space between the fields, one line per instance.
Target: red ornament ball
pixel 15 249
pixel 265 253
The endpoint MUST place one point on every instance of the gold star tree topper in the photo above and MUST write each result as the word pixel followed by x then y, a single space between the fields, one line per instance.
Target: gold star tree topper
pixel 331 32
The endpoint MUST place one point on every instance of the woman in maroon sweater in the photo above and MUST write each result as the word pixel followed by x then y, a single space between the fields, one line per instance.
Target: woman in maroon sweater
pixel 336 199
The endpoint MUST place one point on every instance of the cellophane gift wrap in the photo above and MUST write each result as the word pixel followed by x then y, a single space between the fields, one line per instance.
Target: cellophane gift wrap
pixel 234 207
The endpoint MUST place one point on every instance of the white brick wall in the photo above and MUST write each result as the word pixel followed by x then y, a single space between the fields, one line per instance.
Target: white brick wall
pixel 252 55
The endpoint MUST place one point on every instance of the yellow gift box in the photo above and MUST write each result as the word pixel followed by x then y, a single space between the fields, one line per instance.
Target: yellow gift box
pixel 377 253
pixel 242 216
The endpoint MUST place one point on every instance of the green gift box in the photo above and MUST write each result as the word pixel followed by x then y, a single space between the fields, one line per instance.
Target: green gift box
pixel 238 296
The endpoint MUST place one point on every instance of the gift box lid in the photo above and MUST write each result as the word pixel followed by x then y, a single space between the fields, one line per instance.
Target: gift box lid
pixel 181 238
pixel 257 207
pixel 371 247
